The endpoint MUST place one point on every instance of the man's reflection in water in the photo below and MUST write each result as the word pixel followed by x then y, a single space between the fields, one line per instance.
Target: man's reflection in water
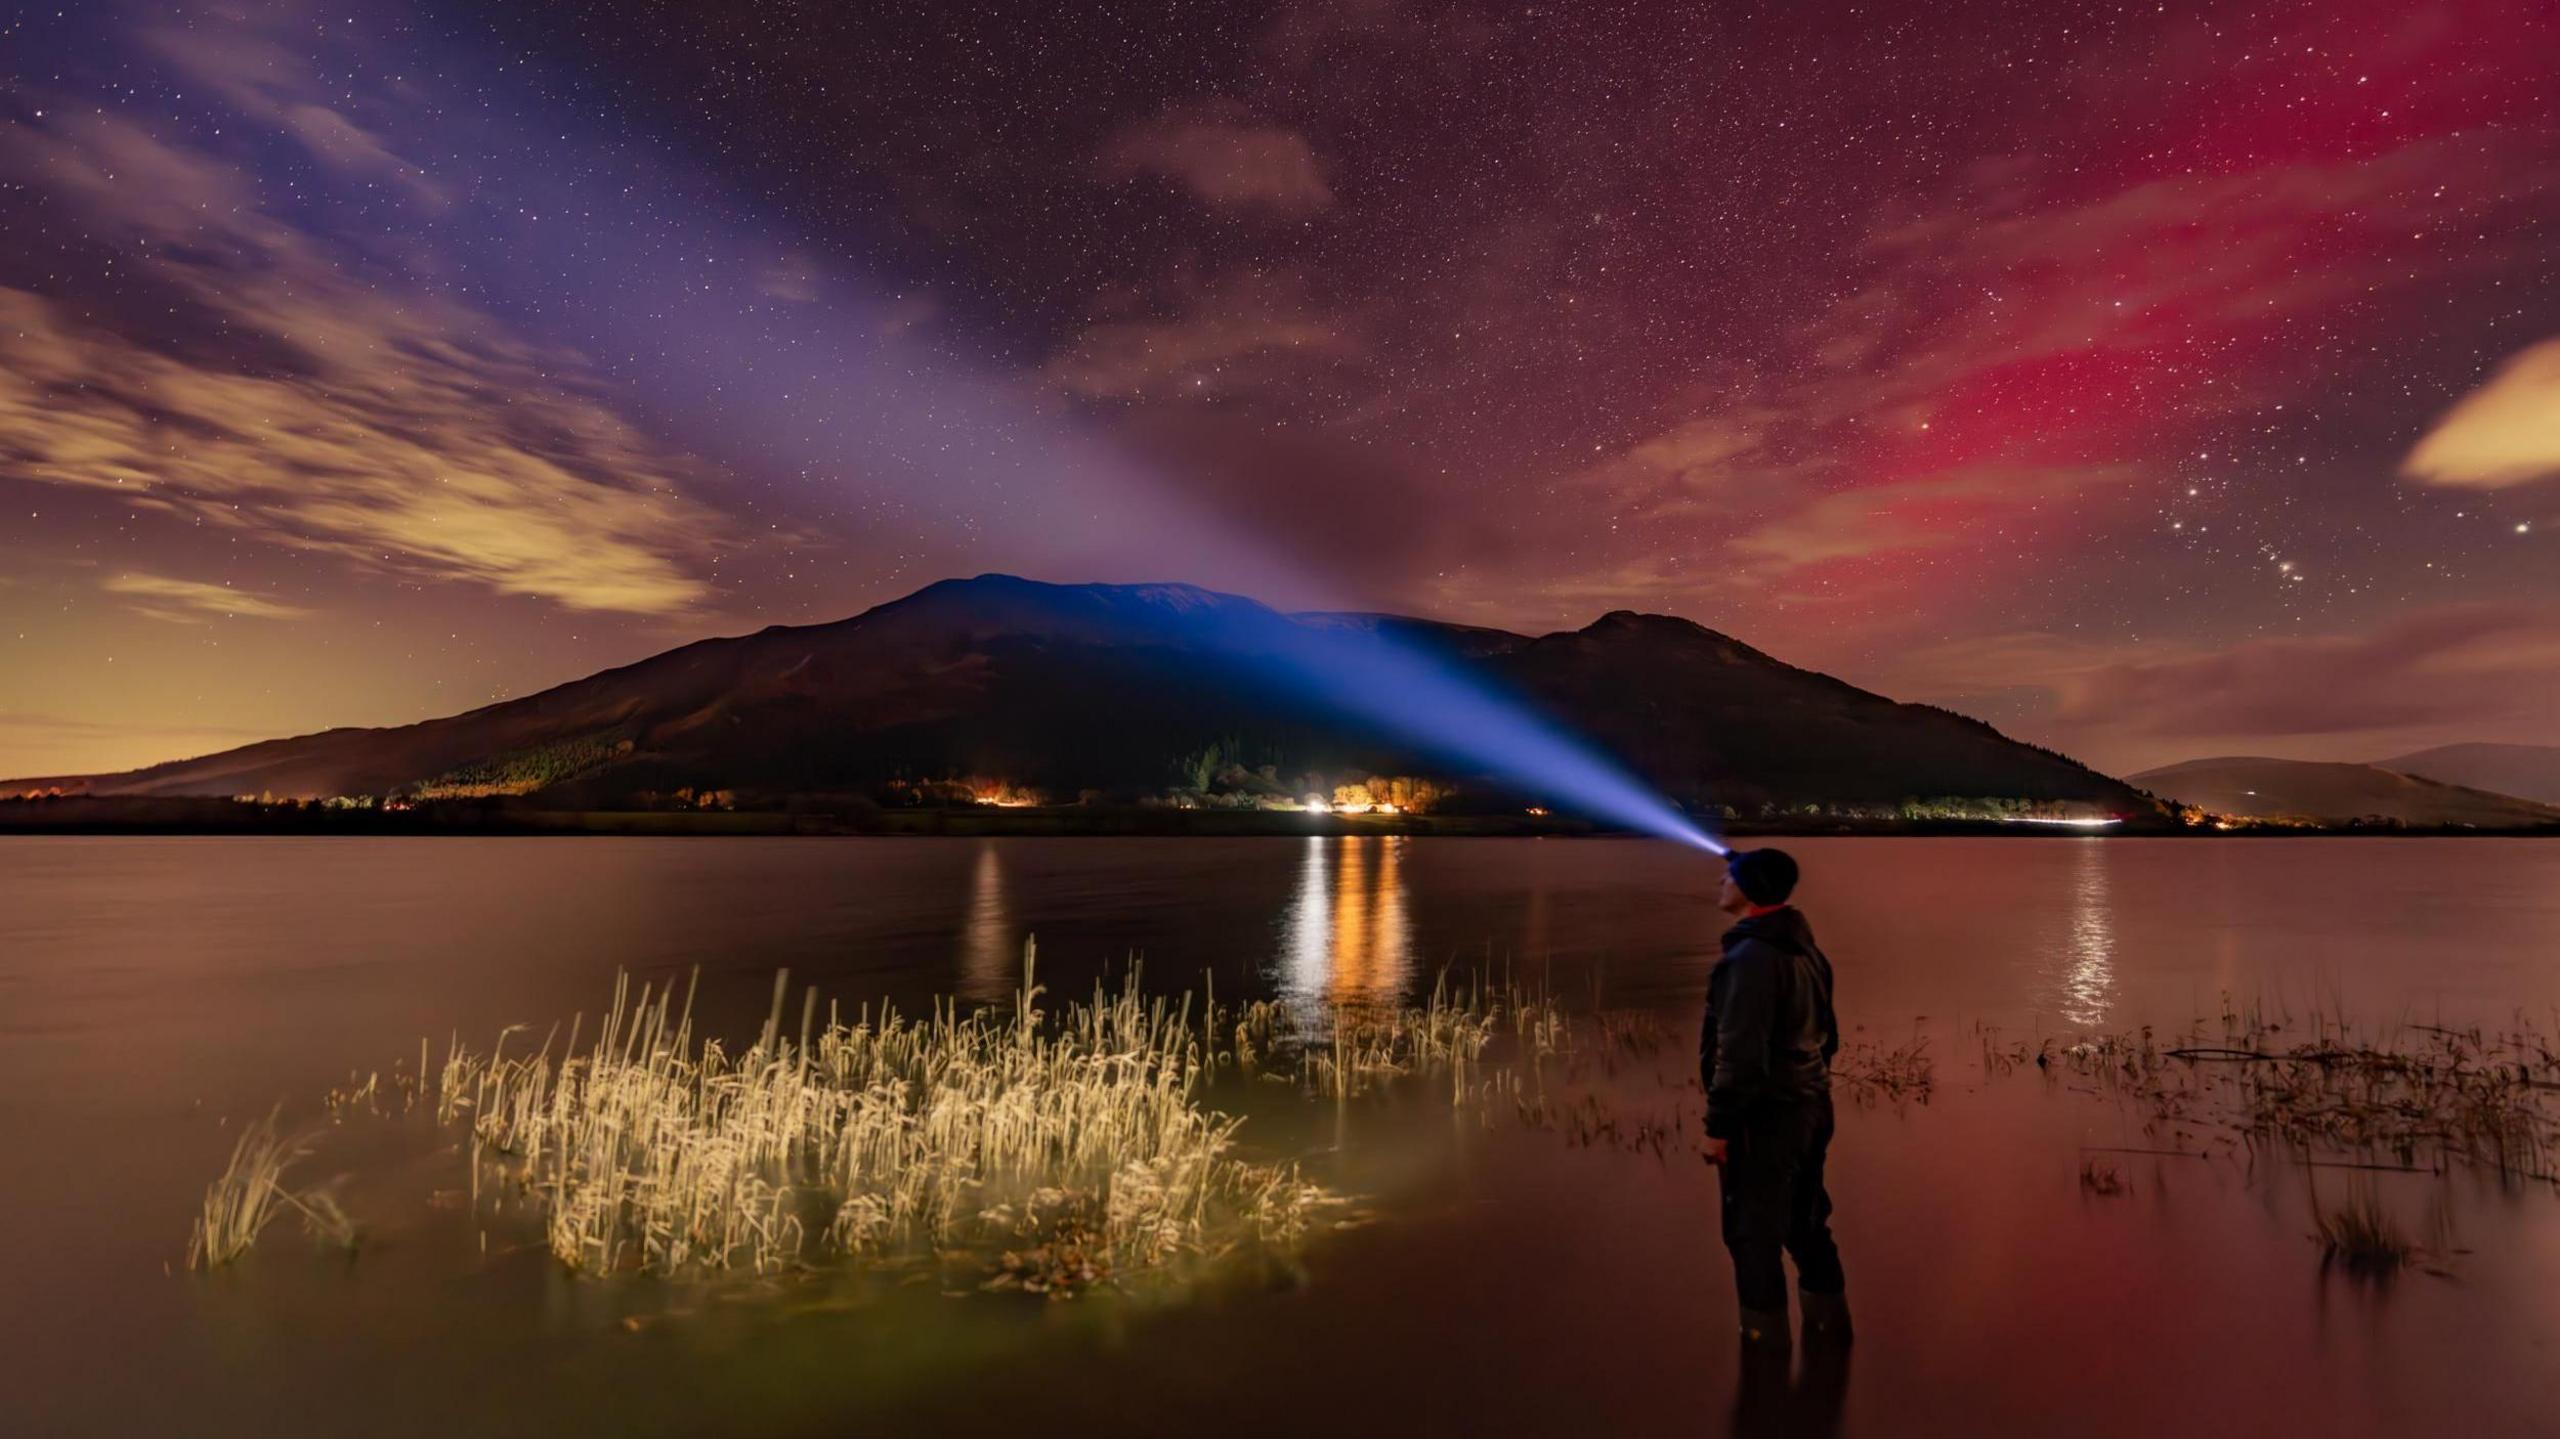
pixel 990 952
pixel 1766 1404
pixel 1347 938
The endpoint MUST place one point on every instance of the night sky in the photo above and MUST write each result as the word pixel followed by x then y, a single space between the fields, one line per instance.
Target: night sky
pixel 2154 381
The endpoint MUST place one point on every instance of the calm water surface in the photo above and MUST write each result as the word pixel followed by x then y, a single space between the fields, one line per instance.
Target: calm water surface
pixel 151 989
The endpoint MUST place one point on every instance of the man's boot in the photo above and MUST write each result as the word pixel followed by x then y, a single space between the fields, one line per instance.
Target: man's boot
pixel 1826 1318
pixel 1761 1401
pixel 1764 1329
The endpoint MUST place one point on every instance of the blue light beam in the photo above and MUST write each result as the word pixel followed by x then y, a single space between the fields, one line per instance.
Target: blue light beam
pixel 1425 699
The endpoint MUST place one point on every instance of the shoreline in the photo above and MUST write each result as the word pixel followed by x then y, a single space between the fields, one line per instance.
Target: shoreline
pixel 112 816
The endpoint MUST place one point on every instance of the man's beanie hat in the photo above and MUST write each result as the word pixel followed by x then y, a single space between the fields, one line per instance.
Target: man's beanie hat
pixel 1765 876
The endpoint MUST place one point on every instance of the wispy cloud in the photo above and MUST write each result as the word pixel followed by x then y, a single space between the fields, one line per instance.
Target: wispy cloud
pixel 2000 339
pixel 1224 157
pixel 2439 676
pixel 166 597
pixel 2472 664
pixel 1247 329
pixel 271 84
pixel 1930 513
pixel 289 397
pixel 793 277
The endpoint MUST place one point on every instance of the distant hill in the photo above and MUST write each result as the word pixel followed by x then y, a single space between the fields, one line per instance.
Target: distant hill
pixel 1066 689
pixel 2335 794
pixel 2527 771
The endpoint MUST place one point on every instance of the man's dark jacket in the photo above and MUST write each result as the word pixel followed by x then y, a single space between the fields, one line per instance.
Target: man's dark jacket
pixel 1770 1033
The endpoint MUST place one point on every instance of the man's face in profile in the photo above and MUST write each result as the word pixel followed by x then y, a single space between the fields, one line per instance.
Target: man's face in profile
pixel 1730 898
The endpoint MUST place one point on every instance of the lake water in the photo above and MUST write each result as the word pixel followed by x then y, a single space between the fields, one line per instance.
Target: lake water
pixel 153 989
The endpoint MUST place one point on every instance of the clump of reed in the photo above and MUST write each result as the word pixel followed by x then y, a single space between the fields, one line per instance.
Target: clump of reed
pixel 2360 1236
pixel 1870 1071
pixel 1358 1048
pixel 1074 1143
pixel 1598 1100
pixel 1595 1120
pixel 2417 1097
pixel 250 1193
pixel 655 1149
pixel 2101 1178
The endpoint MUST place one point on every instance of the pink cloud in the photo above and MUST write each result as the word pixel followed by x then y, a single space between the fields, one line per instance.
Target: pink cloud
pixel 2447 675
pixel 1227 160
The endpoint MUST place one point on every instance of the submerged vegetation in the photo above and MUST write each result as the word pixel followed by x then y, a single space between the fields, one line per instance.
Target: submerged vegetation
pixel 1051 1148
pixel 238 1205
pixel 1062 1148
pixel 655 1149
pixel 2423 1097
pixel 2101 1178
pixel 1070 1146
pixel 2360 1236
pixel 251 1193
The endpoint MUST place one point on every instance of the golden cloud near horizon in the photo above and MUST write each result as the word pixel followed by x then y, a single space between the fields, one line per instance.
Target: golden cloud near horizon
pixel 322 411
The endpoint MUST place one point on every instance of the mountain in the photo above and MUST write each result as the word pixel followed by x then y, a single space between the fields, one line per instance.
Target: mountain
pixel 2527 771
pixel 2335 793
pixel 1072 688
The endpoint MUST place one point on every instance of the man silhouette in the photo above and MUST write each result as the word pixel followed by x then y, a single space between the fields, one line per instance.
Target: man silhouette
pixel 1764 1055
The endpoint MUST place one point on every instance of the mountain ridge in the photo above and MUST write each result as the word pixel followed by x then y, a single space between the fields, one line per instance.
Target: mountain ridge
pixel 1098 690
pixel 2335 792
pixel 2526 771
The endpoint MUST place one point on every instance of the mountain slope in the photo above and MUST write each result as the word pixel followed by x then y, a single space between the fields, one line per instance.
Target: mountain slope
pixel 2335 793
pixel 2527 771
pixel 1077 687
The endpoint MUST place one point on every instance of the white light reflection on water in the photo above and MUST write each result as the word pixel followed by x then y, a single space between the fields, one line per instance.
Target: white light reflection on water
pixel 990 952
pixel 2089 973
pixel 1306 934
pixel 1347 936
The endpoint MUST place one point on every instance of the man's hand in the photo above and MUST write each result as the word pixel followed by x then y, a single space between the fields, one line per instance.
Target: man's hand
pixel 1713 1149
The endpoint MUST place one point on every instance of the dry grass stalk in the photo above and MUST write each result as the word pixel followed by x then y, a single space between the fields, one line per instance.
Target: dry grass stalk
pixel 1870 1072
pixel 250 1193
pixel 655 1150
pixel 1448 1035
pixel 239 1204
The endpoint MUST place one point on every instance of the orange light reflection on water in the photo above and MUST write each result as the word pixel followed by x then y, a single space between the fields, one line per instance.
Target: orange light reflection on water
pixel 1348 936
pixel 990 951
